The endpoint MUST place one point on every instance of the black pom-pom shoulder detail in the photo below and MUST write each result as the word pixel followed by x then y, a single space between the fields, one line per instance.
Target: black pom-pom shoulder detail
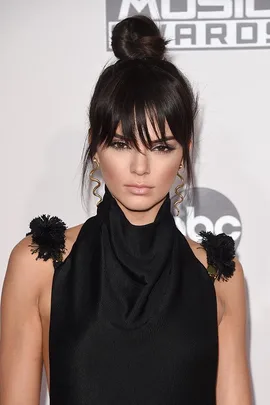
pixel 48 237
pixel 220 250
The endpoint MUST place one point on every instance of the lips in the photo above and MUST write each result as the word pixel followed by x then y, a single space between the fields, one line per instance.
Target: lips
pixel 139 185
pixel 139 189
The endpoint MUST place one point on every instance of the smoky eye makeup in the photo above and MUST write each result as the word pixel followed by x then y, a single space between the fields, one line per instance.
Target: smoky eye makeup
pixel 161 148
pixel 119 143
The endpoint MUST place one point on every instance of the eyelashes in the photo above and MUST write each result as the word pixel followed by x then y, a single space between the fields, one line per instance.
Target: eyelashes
pixel 120 146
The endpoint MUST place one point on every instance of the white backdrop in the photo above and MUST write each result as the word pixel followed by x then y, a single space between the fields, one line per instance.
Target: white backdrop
pixel 51 55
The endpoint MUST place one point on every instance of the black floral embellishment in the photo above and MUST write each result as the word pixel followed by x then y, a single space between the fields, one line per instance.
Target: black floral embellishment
pixel 220 250
pixel 48 237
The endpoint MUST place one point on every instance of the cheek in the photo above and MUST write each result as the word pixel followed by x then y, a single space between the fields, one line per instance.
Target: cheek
pixel 167 174
pixel 166 169
pixel 112 165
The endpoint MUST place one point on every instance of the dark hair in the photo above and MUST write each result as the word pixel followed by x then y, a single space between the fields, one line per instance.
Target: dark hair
pixel 141 80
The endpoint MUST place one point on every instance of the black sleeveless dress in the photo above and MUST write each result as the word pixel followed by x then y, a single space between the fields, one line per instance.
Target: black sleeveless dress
pixel 133 311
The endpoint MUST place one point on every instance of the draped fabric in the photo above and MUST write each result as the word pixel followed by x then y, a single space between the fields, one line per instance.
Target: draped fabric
pixel 134 259
pixel 133 316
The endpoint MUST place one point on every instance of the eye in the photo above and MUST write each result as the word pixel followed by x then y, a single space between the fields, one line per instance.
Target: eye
pixel 119 145
pixel 163 148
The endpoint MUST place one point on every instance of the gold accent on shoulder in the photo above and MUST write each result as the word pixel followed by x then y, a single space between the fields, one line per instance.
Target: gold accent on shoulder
pixel 212 271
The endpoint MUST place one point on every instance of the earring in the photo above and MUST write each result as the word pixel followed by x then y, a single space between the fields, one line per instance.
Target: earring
pixel 177 192
pixel 92 178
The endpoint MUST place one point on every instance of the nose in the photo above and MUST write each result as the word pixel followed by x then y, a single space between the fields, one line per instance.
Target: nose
pixel 140 164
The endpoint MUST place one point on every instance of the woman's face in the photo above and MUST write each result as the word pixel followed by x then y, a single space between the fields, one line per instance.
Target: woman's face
pixel 123 168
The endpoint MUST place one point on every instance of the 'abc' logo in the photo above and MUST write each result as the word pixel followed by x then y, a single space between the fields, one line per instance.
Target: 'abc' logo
pixel 209 211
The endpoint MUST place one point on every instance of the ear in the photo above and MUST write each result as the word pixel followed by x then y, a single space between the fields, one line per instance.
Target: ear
pixel 96 157
pixel 181 166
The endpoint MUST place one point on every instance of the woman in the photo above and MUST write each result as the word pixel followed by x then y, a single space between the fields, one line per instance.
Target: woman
pixel 124 309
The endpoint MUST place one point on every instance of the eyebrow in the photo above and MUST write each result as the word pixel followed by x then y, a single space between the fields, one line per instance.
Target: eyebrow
pixel 167 138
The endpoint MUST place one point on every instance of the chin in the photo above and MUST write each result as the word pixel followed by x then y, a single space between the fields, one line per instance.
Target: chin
pixel 139 203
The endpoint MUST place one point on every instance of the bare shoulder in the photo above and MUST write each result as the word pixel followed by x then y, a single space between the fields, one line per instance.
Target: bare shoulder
pixel 24 277
pixel 25 264
pixel 23 260
pixel 26 270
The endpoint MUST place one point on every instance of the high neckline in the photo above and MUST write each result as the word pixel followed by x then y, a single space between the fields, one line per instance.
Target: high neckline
pixel 137 260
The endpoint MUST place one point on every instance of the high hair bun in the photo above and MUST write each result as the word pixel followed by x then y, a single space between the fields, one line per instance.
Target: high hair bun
pixel 138 37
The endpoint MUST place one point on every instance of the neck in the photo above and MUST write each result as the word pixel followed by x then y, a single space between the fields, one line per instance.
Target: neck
pixel 140 217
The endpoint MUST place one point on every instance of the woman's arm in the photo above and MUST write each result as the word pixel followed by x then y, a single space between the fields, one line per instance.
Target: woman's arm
pixel 21 333
pixel 233 382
